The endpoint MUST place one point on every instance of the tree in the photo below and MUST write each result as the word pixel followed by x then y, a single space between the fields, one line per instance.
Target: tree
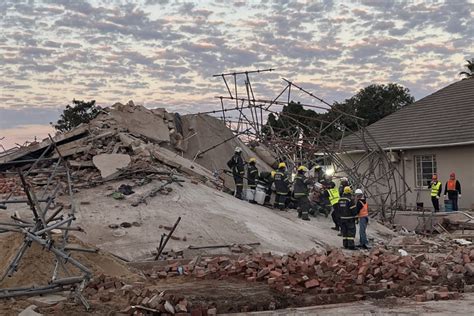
pixel 371 104
pixel 470 69
pixel 80 112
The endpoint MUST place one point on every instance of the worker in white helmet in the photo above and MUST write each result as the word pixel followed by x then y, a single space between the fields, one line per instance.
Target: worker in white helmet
pixel 363 213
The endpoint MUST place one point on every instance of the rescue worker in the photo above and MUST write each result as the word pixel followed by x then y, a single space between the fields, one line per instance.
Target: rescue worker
pixel 252 173
pixel 301 192
pixel 348 211
pixel 236 164
pixel 363 214
pixel 436 189
pixel 281 186
pixel 344 183
pixel 453 190
pixel 318 173
pixel 332 194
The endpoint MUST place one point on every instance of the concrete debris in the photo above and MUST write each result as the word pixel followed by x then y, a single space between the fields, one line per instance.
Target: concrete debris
pixel 110 165
pixel 29 311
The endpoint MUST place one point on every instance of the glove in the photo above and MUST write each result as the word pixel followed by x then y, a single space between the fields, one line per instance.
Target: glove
pixel 459 195
pixel 437 197
pixel 445 196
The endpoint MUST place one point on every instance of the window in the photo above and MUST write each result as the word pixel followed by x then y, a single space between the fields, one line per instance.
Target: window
pixel 425 167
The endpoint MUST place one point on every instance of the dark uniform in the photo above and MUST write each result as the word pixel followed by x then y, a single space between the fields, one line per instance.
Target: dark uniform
pixel 301 192
pixel 236 163
pixel 266 179
pixel 348 211
pixel 281 188
pixel 252 174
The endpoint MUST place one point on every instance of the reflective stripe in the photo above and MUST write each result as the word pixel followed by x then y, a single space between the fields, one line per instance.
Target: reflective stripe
pixel 239 184
pixel 435 188
pixel 282 193
pixel 451 185
pixel 300 194
pixel 350 238
pixel 347 217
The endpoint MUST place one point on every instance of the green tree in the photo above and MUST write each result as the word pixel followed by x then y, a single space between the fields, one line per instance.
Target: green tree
pixel 470 69
pixel 80 112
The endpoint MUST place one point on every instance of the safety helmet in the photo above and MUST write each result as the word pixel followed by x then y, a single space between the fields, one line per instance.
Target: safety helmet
pixel 253 159
pixel 359 191
pixel 344 179
pixel 347 190
pixel 238 149
pixel 302 168
pixel 317 167
pixel 281 165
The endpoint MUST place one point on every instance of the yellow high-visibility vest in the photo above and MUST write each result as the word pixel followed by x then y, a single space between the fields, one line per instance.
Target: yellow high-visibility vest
pixel 435 188
pixel 333 196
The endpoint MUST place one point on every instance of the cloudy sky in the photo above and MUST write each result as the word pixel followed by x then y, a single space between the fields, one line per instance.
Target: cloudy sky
pixel 163 53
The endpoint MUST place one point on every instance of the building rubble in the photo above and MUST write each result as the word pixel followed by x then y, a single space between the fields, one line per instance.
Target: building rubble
pixel 136 159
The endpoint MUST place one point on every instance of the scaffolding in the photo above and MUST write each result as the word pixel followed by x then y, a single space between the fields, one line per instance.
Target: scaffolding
pixel 370 168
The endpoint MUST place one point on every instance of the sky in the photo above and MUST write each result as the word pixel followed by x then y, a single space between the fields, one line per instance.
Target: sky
pixel 162 53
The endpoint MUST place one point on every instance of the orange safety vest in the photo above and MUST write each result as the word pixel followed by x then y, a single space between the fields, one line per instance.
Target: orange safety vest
pixel 364 211
pixel 451 185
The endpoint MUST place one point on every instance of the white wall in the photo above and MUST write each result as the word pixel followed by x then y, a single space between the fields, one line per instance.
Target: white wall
pixel 458 159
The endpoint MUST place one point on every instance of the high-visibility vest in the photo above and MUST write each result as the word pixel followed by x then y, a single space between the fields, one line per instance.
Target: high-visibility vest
pixel 451 185
pixel 435 188
pixel 333 196
pixel 364 211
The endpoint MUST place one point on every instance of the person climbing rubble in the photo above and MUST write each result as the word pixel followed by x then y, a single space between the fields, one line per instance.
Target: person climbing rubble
pixel 301 192
pixel 363 216
pixel 252 173
pixel 236 164
pixel 282 189
pixel 348 211
pixel 453 190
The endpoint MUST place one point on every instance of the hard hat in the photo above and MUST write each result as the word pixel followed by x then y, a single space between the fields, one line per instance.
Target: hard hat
pixel 281 165
pixel 253 159
pixel 359 191
pixel 238 149
pixel 317 167
pixel 347 190
pixel 302 168
pixel 344 179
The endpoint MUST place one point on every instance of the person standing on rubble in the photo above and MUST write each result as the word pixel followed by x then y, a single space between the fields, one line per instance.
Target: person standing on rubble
pixel 332 195
pixel 252 175
pixel 344 183
pixel 453 190
pixel 281 186
pixel 301 192
pixel 348 211
pixel 236 164
pixel 436 189
pixel 363 213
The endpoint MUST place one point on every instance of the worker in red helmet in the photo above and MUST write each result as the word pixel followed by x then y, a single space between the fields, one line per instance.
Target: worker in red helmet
pixel 436 189
pixel 453 190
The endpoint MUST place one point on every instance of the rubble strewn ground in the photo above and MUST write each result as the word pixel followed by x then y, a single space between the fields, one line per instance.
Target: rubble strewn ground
pixel 135 171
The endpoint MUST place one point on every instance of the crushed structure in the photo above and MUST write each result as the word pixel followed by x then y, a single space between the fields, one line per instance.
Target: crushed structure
pixel 135 201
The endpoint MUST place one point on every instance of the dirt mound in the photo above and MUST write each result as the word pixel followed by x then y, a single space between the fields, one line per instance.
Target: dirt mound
pixel 36 266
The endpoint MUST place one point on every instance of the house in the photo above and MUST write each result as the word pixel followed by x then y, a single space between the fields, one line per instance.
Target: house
pixel 434 135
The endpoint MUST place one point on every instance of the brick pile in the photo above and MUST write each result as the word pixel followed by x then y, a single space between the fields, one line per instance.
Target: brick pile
pixel 136 297
pixel 10 185
pixel 373 274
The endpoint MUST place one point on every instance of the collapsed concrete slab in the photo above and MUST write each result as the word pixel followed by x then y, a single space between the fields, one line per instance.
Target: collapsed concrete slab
pixel 109 165
pixel 141 121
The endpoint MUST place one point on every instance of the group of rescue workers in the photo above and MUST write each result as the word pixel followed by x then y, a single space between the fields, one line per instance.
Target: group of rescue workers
pixel 309 196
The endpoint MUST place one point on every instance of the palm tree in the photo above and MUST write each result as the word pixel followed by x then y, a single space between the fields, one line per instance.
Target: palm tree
pixel 470 67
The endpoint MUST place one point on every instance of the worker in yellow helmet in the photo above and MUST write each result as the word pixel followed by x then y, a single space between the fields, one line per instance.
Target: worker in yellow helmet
pixel 349 213
pixel 281 186
pixel 301 192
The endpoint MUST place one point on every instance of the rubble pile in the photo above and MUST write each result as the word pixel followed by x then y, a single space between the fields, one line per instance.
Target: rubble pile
pixel 10 185
pixel 139 297
pixel 379 272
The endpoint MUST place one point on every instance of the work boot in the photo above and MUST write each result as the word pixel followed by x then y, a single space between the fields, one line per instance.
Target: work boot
pixel 365 247
pixel 304 216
